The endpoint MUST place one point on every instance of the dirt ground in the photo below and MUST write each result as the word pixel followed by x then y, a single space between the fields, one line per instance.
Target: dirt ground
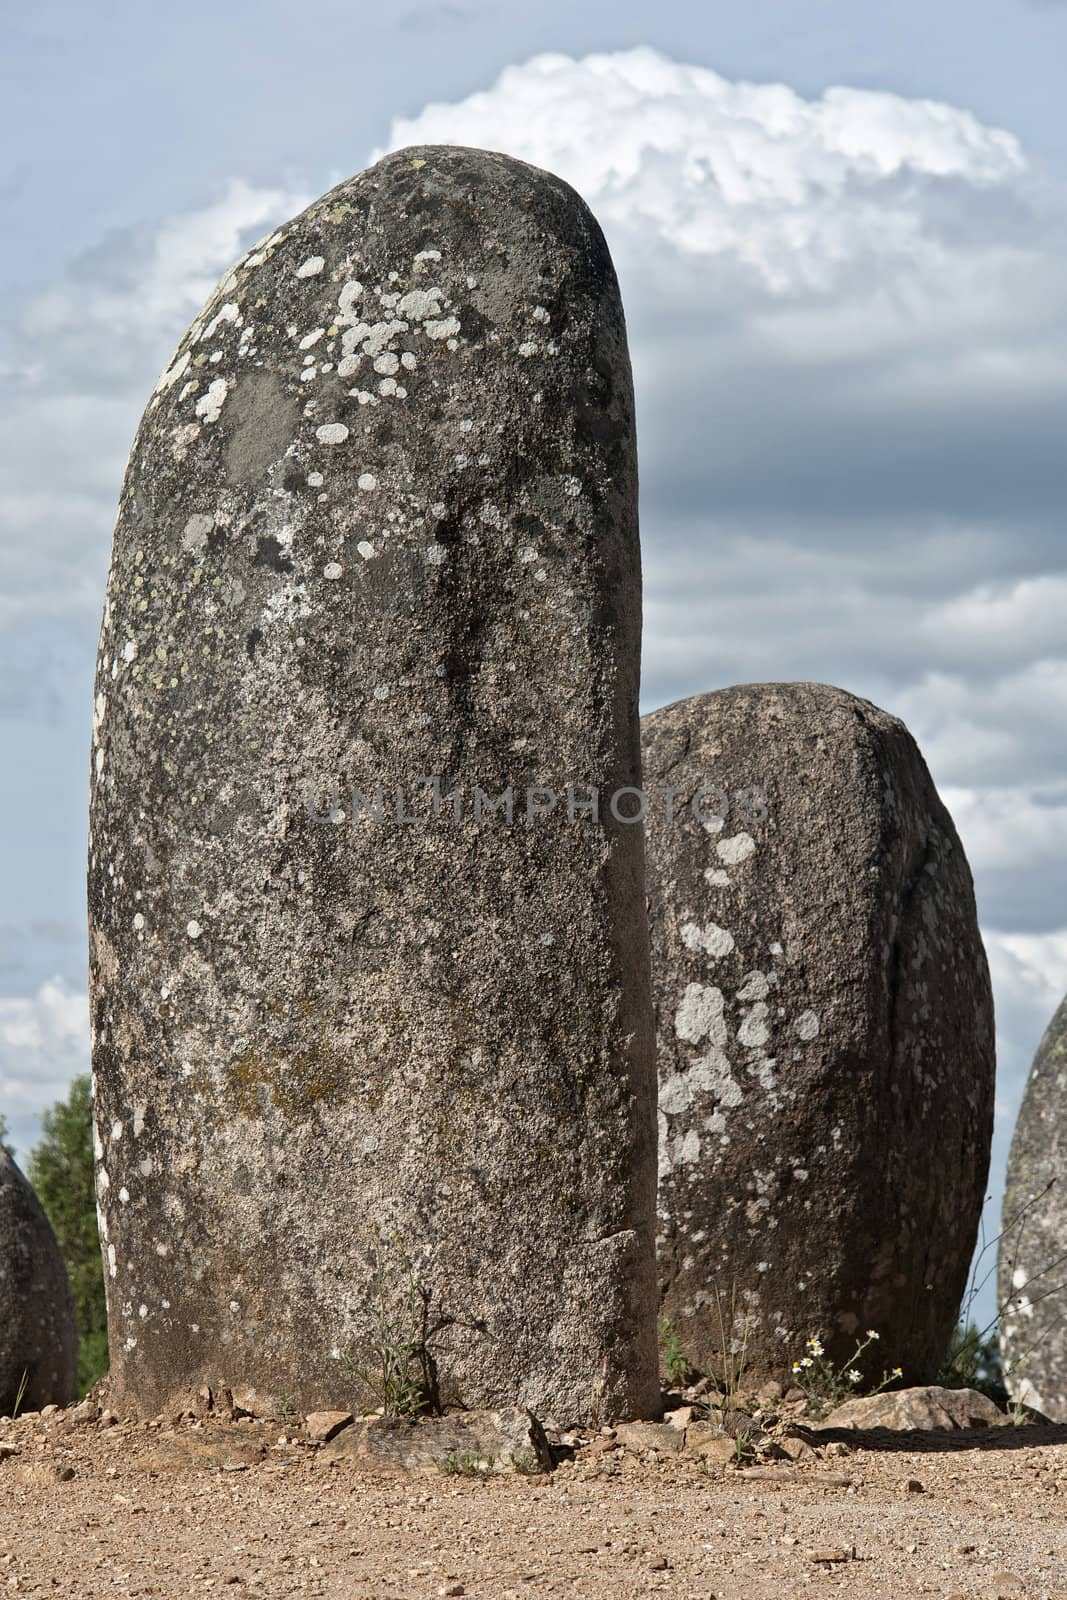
pixel 245 1507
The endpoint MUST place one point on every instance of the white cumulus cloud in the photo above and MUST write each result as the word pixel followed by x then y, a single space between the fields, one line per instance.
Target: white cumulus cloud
pixel 85 354
pixel 44 1042
pixel 797 190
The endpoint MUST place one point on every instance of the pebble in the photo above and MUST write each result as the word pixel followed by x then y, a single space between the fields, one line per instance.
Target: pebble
pixel 326 1425
pixel 40 1474
pixel 650 1436
pixel 657 1564
pixel 831 1553
pixel 913 1486
pixel 681 1418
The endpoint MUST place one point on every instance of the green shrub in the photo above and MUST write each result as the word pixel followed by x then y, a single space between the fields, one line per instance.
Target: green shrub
pixel 61 1171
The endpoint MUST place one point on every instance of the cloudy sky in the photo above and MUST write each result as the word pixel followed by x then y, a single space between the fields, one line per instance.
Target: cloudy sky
pixel 841 233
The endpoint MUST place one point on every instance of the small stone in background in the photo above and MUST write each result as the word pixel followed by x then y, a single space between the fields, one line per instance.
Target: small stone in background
pixel 650 1436
pixel 921 1409
pixel 40 1474
pixel 325 1425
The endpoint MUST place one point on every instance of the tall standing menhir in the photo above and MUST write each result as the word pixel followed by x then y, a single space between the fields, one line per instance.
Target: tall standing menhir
pixel 1032 1260
pixel 379 526
pixel 825 1030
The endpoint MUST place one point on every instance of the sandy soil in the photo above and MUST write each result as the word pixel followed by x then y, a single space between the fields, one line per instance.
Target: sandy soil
pixel 245 1507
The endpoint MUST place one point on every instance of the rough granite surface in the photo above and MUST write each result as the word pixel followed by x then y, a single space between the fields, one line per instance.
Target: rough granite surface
pixel 825 1032
pixel 1033 1246
pixel 361 1080
pixel 38 1334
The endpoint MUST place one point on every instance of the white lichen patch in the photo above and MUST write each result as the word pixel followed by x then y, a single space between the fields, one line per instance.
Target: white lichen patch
pixel 755 1028
pixel 311 338
pixel 331 433
pixel 441 328
pixel 229 314
pixel 711 939
pixel 195 534
pixel 712 1075
pixel 737 848
pixel 172 373
pixel 311 267
pixel 688 1148
pixel 366 481
pixel 209 406
pixel 807 1025
pixel 700 1015
pixel 332 571
pixel 183 437
pixel 346 302
pixel 418 304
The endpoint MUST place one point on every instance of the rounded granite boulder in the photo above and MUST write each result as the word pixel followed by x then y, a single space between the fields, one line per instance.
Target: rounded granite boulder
pixel 373 1040
pixel 825 1032
pixel 38 1334
pixel 1032 1265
